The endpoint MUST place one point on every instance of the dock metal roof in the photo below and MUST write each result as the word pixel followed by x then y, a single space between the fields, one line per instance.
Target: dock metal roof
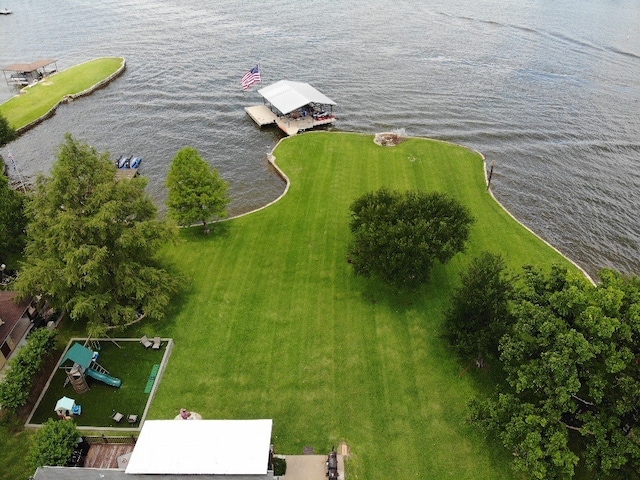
pixel 288 96
pixel 28 67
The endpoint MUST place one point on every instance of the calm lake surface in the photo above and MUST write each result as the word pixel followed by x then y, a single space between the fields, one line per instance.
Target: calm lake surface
pixel 548 90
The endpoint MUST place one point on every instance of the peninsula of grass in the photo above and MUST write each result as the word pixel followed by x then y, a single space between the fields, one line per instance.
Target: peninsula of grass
pixel 272 322
pixel 39 101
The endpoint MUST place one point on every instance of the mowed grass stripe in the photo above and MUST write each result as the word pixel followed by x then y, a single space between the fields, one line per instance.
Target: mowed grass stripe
pixel 274 324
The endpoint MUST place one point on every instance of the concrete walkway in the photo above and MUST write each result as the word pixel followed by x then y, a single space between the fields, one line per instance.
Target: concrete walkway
pixel 310 467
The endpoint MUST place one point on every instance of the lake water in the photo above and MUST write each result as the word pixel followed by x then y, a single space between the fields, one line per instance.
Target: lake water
pixel 548 90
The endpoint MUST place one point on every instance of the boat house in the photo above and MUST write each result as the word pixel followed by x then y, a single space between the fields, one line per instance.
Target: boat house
pixel 27 73
pixel 293 106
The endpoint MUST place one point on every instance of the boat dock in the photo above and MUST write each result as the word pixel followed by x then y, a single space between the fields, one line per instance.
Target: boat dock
pixel 293 106
pixel 127 166
pixel 126 173
pixel 261 115
pixel 289 125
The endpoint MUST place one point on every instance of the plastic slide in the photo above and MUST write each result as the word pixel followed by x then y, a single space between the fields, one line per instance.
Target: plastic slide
pixel 103 377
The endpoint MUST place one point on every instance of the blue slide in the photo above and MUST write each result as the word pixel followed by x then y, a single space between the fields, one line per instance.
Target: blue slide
pixel 103 377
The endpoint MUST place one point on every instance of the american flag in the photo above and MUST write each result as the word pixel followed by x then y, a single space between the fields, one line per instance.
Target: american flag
pixel 251 77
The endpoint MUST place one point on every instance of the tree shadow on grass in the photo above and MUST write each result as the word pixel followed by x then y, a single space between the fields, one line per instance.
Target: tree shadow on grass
pixel 196 234
pixel 399 299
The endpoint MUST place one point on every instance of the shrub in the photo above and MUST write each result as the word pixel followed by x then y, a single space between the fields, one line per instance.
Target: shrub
pixel 14 389
pixel 54 443
pixel 279 466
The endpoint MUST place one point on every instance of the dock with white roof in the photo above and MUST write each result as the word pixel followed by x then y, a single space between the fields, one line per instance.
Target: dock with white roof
pixel 292 106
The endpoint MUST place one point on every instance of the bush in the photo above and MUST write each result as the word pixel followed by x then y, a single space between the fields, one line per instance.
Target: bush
pixel 14 389
pixel 54 443
pixel 279 466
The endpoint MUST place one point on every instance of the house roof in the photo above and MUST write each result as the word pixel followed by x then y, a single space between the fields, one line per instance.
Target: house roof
pixel 222 447
pixel 288 96
pixel 10 312
pixel 71 473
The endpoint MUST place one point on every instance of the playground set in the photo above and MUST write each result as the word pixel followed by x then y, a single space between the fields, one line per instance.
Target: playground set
pixel 80 362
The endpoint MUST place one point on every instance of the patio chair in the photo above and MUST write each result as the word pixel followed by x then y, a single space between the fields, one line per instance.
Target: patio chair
pixel 156 343
pixel 132 419
pixel 117 417
pixel 146 342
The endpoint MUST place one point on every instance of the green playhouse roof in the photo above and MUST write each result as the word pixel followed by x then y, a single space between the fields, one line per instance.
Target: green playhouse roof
pixel 78 354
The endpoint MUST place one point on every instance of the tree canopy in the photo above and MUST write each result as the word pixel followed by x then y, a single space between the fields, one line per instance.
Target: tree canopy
pixel 54 443
pixel 197 192
pixel 92 243
pixel 572 385
pixel 12 217
pixel 478 315
pixel 398 236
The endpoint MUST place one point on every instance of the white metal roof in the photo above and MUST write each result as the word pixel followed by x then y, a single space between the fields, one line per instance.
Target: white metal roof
pixel 287 96
pixel 221 447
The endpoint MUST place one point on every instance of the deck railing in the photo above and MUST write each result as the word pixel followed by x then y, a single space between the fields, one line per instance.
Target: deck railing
pixel 103 440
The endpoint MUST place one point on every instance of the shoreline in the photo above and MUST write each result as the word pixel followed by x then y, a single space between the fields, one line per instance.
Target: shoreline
pixel 271 158
pixel 72 96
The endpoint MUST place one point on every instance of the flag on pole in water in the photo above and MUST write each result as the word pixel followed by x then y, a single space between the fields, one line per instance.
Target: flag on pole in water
pixel 251 77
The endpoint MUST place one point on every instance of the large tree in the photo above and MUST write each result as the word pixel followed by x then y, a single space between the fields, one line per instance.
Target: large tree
pixel 572 384
pixel 398 236
pixel 197 192
pixel 478 315
pixel 92 243
pixel 12 217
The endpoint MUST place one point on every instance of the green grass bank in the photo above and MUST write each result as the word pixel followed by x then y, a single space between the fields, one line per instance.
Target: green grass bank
pixel 40 100
pixel 273 323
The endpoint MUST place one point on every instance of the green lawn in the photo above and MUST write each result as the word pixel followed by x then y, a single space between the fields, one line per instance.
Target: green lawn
pixel 130 362
pixel 14 453
pixel 272 323
pixel 38 100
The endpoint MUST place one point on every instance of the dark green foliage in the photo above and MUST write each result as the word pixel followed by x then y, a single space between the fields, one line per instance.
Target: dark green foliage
pixel 7 134
pixel 14 389
pixel 478 315
pixel 92 243
pixel 399 235
pixel 197 192
pixel 279 466
pixel 12 217
pixel 572 384
pixel 54 443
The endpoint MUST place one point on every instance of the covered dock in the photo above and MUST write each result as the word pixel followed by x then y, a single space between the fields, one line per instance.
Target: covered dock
pixel 27 73
pixel 293 106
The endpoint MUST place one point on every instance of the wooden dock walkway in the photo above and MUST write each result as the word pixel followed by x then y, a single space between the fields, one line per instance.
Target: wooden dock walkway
pixel 126 173
pixel 261 115
pixel 291 126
